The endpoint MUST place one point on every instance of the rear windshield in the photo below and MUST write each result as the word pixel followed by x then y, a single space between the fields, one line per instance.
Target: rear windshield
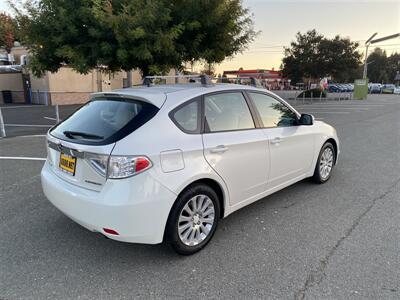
pixel 104 120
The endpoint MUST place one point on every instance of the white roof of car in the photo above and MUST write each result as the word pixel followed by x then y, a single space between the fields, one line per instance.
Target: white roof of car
pixel 158 94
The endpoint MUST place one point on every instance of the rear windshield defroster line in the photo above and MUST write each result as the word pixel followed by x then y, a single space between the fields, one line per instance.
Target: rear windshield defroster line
pixel 110 118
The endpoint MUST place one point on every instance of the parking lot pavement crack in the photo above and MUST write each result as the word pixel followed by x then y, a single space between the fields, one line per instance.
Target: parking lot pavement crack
pixel 316 276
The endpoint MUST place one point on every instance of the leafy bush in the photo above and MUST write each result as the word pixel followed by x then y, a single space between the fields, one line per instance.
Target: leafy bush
pixel 316 93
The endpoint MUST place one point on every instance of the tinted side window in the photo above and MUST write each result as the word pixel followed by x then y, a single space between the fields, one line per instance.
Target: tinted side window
pixel 227 111
pixel 273 113
pixel 187 118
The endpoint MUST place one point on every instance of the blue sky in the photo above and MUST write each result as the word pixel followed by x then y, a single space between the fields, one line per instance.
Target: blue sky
pixel 280 20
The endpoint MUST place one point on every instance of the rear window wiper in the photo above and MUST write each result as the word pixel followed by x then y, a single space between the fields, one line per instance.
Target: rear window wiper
pixel 89 136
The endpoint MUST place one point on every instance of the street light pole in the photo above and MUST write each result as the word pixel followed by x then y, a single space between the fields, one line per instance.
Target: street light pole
pixel 367 43
pixel 365 62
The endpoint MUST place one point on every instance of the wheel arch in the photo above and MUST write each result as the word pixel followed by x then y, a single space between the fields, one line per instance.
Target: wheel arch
pixel 335 146
pixel 216 186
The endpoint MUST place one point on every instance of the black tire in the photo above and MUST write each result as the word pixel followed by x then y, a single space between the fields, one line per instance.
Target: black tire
pixel 171 230
pixel 317 177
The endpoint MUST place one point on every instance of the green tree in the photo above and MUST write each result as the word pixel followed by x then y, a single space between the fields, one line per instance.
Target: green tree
pixel 378 66
pixel 393 66
pixel 301 58
pixel 339 58
pixel 313 56
pixel 212 30
pixel 151 35
pixel 144 33
pixel 382 68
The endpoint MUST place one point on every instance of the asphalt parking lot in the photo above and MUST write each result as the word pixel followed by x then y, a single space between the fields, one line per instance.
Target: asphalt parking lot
pixel 340 240
pixel 32 119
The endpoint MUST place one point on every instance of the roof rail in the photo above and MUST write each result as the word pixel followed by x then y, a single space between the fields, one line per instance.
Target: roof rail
pixel 204 79
pixel 255 82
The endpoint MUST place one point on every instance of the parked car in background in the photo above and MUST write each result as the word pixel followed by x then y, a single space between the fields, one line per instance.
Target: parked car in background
pixel 335 88
pixel 165 163
pixel 350 87
pixel 375 88
pixel 332 88
pixel 340 88
pixel 397 90
pixel 388 89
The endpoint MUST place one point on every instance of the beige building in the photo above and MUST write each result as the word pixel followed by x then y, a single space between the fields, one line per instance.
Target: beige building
pixel 69 87
pixel 66 86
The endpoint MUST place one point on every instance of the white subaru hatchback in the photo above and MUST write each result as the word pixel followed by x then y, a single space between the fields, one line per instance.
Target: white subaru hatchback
pixel 165 163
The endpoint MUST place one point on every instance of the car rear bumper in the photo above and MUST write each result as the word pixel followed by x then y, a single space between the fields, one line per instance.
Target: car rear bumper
pixel 137 208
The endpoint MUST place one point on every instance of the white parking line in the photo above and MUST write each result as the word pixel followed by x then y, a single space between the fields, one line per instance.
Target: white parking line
pixel 27 125
pixel 28 136
pixel 329 112
pixel 349 108
pixel 50 118
pixel 22 158
pixel 22 106
pixel 339 105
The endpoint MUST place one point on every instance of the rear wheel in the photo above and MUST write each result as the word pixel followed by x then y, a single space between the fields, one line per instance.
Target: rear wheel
pixel 193 219
pixel 325 163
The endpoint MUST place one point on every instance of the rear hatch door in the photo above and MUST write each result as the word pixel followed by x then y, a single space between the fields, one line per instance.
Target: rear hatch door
pixel 71 162
pixel 80 146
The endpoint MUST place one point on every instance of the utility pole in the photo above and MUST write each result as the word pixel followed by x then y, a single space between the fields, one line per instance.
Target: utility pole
pixel 371 41
pixel 367 43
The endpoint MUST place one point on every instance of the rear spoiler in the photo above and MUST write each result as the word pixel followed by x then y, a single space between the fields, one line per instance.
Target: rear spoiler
pixel 156 99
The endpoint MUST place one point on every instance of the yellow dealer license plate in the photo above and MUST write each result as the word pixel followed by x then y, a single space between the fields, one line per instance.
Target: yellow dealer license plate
pixel 67 163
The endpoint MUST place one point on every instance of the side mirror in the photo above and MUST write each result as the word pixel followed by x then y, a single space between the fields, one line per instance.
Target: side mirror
pixel 306 119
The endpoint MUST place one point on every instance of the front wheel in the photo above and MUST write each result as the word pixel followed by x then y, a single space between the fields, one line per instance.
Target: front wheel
pixel 193 219
pixel 325 163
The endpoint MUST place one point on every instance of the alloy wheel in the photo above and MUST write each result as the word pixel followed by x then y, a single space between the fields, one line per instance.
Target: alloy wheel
pixel 326 163
pixel 196 220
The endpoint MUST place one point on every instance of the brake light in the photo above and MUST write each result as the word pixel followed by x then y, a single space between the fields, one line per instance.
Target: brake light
pixel 127 166
pixel 117 167
pixel 141 164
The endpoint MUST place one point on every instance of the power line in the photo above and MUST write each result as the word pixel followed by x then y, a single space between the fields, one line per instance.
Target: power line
pixel 260 49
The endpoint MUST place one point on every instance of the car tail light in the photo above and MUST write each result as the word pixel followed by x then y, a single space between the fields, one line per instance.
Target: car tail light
pixel 127 166
pixel 98 162
pixel 141 164
pixel 117 167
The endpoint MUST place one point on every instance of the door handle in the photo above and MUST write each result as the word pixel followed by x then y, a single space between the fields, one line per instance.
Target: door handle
pixel 219 149
pixel 276 140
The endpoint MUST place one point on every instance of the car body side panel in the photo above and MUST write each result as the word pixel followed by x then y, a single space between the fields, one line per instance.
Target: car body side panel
pixel 243 166
pixel 292 155
pixel 167 138
pixel 323 132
